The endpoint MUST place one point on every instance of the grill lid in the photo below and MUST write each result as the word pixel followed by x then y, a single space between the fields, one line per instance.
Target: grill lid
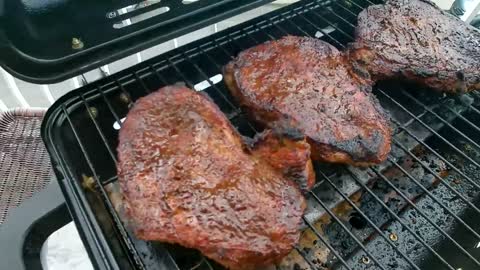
pixel 48 41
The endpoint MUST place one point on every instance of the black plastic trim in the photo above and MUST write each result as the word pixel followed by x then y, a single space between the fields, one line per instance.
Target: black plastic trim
pixel 29 225
pixel 98 52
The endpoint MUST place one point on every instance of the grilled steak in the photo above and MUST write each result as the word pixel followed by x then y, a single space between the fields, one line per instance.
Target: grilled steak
pixel 306 84
pixel 415 40
pixel 188 178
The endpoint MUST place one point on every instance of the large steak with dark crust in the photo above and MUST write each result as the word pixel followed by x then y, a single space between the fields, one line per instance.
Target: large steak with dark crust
pixel 188 178
pixel 415 40
pixel 306 84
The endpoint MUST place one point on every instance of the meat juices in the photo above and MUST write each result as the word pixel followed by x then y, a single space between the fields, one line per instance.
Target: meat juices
pixel 307 84
pixel 415 40
pixel 188 178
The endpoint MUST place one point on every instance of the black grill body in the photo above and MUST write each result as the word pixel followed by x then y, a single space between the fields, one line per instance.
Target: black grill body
pixel 83 35
pixel 418 210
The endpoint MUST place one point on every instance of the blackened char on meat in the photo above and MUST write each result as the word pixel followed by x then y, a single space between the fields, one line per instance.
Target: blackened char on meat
pixel 415 40
pixel 307 84
pixel 188 178
pixel 287 154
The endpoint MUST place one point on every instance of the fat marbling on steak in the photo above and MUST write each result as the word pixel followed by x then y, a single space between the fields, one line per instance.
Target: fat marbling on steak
pixel 415 40
pixel 188 178
pixel 308 85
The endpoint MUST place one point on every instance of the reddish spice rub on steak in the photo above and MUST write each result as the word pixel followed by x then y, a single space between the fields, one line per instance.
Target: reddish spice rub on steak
pixel 307 84
pixel 415 40
pixel 188 178
pixel 287 153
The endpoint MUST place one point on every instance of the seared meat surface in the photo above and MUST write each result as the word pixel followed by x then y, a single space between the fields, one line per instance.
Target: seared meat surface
pixel 188 178
pixel 307 84
pixel 415 40
pixel 287 153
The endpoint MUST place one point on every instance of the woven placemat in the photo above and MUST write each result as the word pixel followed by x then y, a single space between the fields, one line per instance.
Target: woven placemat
pixel 24 162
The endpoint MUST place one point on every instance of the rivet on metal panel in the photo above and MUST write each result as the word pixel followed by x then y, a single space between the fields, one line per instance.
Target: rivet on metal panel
pixel 348 3
pixel 93 112
pixel 365 260
pixel 393 237
pixel 77 43
pixel 124 98
pixel 88 182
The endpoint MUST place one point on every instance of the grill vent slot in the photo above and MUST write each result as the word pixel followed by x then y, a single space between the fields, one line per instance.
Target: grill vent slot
pixel 141 17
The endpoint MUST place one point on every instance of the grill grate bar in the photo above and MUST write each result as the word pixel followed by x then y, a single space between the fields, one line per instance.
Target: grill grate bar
pixel 106 199
pixel 288 19
pixel 359 243
pixel 319 28
pixel 349 23
pixel 372 224
pixel 218 45
pixel 232 41
pixel 474 109
pixel 433 151
pixel 333 24
pixel 304 256
pixel 425 216
pixel 397 218
pixel 159 76
pixel 232 107
pixel 431 130
pixel 257 42
pixel 127 95
pixel 237 111
pixel 438 177
pixel 343 19
pixel 110 180
pixel 360 7
pixel 144 87
pixel 314 25
pixel 462 118
pixel 348 10
pixel 325 242
pixel 110 107
pixel 172 260
pixel 377 229
pixel 266 33
pixel 187 81
pixel 410 122
pixel 442 120
pixel 99 129
pixel 263 29
pixel 207 263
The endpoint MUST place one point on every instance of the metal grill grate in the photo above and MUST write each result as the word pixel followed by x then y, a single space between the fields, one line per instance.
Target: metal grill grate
pixel 418 210
pixel 25 165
